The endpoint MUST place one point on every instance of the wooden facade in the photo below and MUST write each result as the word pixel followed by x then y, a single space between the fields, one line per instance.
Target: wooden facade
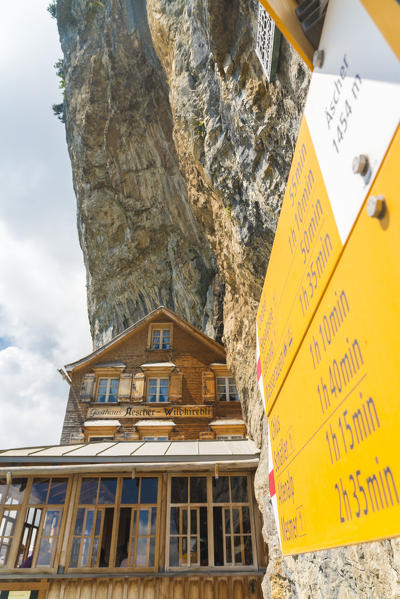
pixel 151 491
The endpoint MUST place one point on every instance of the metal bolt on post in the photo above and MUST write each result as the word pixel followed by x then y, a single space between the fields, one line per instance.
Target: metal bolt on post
pixel 318 58
pixel 376 206
pixel 360 164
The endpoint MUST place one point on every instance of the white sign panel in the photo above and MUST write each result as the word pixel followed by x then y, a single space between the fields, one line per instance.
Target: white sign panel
pixel 353 105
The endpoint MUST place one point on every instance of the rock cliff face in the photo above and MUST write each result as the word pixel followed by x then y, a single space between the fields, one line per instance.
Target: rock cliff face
pixel 180 154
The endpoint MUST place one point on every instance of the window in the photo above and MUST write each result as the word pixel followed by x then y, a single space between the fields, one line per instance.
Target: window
pixel 107 390
pixel 157 390
pixel 197 502
pixel 232 525
pixel 226 389
pixel 160 339
pixel 188 544
pixel 112 532
pixel 11 498
pixel 42 523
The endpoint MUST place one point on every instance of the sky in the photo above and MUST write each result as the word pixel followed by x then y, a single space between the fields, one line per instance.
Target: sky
pixel 43 313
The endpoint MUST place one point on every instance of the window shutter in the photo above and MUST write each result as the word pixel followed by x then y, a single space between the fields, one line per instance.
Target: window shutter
pixel 125 387
pixel 175 386
pixel 138 386
pixel 87 387
pixel 208 386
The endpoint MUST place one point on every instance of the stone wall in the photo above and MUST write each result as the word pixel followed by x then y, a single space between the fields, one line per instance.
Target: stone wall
pixel 180 153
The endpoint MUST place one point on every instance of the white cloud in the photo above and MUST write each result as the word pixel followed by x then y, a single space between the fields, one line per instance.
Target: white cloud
pixel 43 317
pixel 43 313
pixel 32 399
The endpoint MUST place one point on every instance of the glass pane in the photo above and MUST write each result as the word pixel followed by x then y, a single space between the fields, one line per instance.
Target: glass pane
pixel 194 558
pixel 85 552
pixel 233 394
pixel 174 522
pixel 113 392
pixel 102 390
pixel 228 549
pixel 179 489
pixel 152 551
pixel 153 520
pixel 203 537
pixel 141 552
pixel 8 522
pixel 108 488
pixel 184 551
pixel 156 338
pixel 184 517
pixel 246 519
pixel 51 523
pixel 88 490
pixel 130 490
pixel 16 491
pixel 45 556
pixel 76 543
pixel 221 388
pixel 58 491
pixel 39 490
pixel 174 551
pixel 193 522
pixel 218 541
pixel 38 514
pixel 227 521
pixel 79 520
pixel 236 520
pixel 163 390
pixel 123 536
pixel 221 489
pixel 8 528
pixel 152 390
pixel 148 490
pixel 95 552
pixel 248 552
pixel 239 488
pixel 165 339
pixel 237 540
pixel 143 522
pixel 98 523
pixel 198 489
pixel 89 522
pixel 105 556
pixel 4 548
pixel 3 490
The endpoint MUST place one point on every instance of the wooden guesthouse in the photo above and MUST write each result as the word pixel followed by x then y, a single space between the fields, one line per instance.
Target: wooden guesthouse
pixel 150 493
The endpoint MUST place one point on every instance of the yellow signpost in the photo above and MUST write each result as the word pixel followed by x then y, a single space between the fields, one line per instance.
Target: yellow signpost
pixel 328 323
pixel 334 428
pixel 386 14
pixel 306 248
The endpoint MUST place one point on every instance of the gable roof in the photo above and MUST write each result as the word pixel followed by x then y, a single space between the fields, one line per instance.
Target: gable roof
pixel 139 324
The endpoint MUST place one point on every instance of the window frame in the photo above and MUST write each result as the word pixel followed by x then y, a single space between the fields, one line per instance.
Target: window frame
pixel 108 378
pixel 157 378
pixel 227 398
pixel 210 522
pixel 115 526
pixel 162 326
pixel 20 522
